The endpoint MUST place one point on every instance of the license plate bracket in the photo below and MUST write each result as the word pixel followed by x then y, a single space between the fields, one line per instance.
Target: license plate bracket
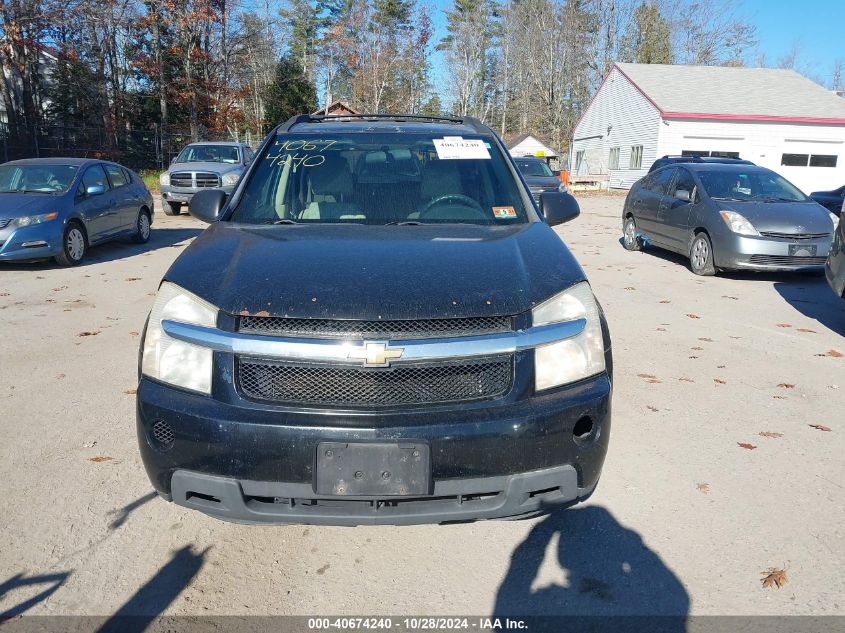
pixel 373 469
pixel 802 250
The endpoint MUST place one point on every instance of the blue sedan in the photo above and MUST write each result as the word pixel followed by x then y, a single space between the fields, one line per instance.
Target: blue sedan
pixel 58 207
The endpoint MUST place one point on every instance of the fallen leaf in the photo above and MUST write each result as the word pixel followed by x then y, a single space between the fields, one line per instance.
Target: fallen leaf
pixel 100 458
pixel 684 379
pixel 651 408
pixel 88 334
pixel 131 392
pixel 820 427
pixel 661 329
pixel 705 339
pixel 60 376
pixel 89 444
pixel 784 325
pixel 693 356
pixel 746 445
pixel 832 353
pixel 629 288
pixel 804 329
pixel 773 576
pixel 786 385
pixel 770 434
pixel 779 397
pixel 263 313
pixel 729 297
pixel 705 488
pixel 244 312
pixel 666 301
pixel 693 316
pixel 719 381
pixel 133 278
pixel 646 376
pixel 133 334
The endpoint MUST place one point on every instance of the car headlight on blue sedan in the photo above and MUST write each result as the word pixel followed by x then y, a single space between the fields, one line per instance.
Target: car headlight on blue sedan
pixel 737 223
pixel 29 220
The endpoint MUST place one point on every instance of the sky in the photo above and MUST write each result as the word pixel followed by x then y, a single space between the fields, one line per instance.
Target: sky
pixel 815 27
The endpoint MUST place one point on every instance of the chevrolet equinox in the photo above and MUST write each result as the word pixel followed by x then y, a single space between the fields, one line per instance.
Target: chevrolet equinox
pixel 378 327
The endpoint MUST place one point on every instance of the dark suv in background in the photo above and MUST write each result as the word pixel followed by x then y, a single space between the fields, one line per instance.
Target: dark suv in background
pixel 379 326
pixel 673 160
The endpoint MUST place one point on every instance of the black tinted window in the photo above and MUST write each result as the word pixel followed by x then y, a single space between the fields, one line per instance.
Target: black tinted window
pixel 683 181
pixel 660 182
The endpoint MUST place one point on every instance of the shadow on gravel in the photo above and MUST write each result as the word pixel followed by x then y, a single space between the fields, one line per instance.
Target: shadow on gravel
pixel 814 299
pixel 53 580
pixel 119 249
pixel 124 512
pixel 157 594
pixel 609 573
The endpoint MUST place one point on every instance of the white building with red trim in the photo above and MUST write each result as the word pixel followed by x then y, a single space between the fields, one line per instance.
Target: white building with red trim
pixel 773 117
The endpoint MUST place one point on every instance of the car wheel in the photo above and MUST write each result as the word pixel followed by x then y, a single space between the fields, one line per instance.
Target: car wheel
pixel 74 246
pixel 173 208
pixel 629 235
pixel 701 256
pixel 142 227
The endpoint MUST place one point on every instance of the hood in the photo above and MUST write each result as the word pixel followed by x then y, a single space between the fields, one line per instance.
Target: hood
pixel 217 168
pixel 546 182
pixel 782 217
pixel 16 205
pixel 376 272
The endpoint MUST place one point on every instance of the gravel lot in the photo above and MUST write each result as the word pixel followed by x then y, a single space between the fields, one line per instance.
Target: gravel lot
pixel 684 520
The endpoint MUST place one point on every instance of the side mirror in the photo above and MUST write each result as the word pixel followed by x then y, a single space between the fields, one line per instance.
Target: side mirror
pixel 684 195
pixel 556 173
pixel 95 190
pixel 558 207
pixel 206 205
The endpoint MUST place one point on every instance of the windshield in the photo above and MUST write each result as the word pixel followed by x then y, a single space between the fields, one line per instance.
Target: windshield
pixel 533 167
pixel 749 186
pixel 381 178
pixel 209 154
pixel 49 179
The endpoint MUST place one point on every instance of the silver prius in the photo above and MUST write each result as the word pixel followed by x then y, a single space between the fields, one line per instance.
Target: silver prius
pixel 728 217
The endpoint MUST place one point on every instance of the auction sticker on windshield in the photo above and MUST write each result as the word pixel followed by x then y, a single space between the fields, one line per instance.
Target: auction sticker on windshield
pixel 458 148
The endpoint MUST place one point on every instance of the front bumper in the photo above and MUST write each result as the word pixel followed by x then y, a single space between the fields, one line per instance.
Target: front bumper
pixel 38 241
pixel 739 252
pixel 835 267
pixel 241 462
pixel 184 194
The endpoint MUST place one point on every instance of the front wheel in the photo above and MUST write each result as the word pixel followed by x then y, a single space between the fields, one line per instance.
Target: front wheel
pixel 172 208
pixel 701 256
pixel 73 246
pixel 629 237
pixel 142 227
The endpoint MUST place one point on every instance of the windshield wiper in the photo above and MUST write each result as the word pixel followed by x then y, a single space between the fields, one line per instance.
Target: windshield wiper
pixel 730 198
pixel 403 223
pixel 282 221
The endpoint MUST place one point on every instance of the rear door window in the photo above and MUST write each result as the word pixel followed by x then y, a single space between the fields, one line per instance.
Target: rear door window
pixel 116 175
pixel 660 184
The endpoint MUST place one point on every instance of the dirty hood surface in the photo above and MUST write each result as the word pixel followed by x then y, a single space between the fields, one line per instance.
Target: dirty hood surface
pixel 376 272
pixel 783 217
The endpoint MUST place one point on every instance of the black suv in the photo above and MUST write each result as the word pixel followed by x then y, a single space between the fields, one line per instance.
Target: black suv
pixel 378 327
pixel 695 158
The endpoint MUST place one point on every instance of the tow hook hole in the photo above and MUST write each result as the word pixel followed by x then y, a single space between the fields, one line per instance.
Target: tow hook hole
pixel 583 428
pixel 199 495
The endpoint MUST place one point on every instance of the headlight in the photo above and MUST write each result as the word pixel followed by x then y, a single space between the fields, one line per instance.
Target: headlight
pixel 176 362
pixel 835 219
pixel 574 358
pixel 164 179
pixel 230 179
pixel 737 223
pixel 28 220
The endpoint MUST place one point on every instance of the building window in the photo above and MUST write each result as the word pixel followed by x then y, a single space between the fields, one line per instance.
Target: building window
pixel 636 157
pixel 822 160
pixel 579 158
pixel 613 161
pixel 794 160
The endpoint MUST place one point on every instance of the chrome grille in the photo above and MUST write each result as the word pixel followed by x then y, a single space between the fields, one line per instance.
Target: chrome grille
pixel 794 236
pixel 182 179
pixel 5 223
pixel 333 328
pixel 786 260
pixel 458 381
pixel 207 179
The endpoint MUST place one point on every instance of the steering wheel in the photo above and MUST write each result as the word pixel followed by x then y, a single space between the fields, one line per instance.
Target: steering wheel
pixel 466 201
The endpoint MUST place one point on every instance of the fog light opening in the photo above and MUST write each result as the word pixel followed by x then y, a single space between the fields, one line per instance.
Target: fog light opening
pixel 163 436
pixel 583 429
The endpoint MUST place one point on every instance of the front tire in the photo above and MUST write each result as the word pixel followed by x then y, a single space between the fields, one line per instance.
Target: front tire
pixel 142 227
pixel 701 256
pixel 172 208
pixel 74 246
pixel 629 235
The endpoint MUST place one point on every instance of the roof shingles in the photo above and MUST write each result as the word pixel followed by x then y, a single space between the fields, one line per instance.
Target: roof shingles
pixel 734 93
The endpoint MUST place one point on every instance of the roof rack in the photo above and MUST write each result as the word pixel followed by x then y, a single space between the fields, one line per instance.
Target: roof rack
pixel 319 118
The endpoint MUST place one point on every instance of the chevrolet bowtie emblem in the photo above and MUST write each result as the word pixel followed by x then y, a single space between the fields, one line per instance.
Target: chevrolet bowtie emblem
pixel 376 354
